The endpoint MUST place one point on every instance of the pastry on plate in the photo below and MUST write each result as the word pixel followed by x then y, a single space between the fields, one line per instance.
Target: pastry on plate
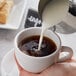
pixel 5 10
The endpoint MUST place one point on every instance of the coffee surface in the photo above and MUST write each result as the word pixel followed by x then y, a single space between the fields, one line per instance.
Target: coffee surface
pixel 30 44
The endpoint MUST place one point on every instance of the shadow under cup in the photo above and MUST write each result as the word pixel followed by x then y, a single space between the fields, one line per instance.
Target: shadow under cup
pixel 36 64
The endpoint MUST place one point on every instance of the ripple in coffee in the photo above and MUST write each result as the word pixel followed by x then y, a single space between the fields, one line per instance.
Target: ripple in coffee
pixel 30 44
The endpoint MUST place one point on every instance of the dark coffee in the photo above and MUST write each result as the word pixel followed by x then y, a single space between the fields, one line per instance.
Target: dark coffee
pixel 30 45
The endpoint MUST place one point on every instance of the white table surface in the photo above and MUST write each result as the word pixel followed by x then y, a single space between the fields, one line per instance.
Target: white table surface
pixel 7 36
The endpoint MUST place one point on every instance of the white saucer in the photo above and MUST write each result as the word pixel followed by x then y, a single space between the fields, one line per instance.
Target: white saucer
pixel 8 65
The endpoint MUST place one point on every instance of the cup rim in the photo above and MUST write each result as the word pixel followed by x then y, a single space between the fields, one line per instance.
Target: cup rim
pixel 17 49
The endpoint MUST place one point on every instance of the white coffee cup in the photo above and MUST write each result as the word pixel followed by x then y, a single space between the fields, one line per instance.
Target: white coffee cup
pixel 38 64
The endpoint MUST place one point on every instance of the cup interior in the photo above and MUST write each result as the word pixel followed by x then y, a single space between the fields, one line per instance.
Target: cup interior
pixel 37 31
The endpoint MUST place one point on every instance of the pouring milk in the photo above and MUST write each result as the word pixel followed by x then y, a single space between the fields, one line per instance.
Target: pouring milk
pixel 53 13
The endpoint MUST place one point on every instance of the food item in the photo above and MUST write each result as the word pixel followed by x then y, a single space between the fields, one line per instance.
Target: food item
pixel 5 10
pixel 30 46
pixel 2 3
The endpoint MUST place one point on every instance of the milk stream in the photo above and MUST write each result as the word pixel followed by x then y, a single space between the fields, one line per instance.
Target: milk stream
pixel 41 36
pixel 53 13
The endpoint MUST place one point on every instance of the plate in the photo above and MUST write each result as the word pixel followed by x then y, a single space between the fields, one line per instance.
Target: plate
pixel 15 15
pixel 8 65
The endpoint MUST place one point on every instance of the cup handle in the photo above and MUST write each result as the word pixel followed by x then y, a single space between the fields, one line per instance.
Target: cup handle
pixel 66 57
